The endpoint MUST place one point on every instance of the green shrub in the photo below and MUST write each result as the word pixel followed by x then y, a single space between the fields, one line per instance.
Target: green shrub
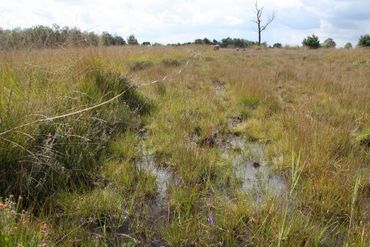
pixel 312 42
pixel 364 41
pixel 131 40
pixel 329 43
pixel 348 45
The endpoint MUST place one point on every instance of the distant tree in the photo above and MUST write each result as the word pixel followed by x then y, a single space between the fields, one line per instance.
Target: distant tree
pixel 207 41
pixel 348 45
pixel 92 38
pixel 364 41
pixel 131 40
pixel 329 43
pixel 55 36
pixel 277 45
pixel 107 39
pixel 198 41
pixel 240 43
pixel 215 42
pixel 261 27
pixel 235 42
pixel 227 42
pixel 146 43
pixel 118 40
pixel 312 42
pixel 76 38
pixel 40 36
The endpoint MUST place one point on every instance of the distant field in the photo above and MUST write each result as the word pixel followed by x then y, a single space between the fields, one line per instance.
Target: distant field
pixel 185 146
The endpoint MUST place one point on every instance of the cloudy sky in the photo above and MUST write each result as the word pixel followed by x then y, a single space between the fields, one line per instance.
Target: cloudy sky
pixel 170 21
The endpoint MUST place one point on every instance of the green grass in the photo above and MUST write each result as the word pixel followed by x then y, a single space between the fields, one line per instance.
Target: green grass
pixel 78 175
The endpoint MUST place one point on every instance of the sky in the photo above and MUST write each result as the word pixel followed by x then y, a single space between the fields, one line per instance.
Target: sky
pixel 172 21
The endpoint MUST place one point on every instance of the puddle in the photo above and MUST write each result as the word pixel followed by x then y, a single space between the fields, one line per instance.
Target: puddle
pixel 164 177
pixel 251 169
pixel 249 163
pixel 258 179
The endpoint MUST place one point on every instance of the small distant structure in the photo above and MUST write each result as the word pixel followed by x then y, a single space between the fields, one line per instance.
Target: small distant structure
pixel 216 47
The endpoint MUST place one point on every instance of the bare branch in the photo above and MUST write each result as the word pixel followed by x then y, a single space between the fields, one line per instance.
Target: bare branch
pixel 258 9
pixel 268 22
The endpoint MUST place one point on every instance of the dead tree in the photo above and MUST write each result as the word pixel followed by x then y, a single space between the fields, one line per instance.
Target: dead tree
pixel 261 27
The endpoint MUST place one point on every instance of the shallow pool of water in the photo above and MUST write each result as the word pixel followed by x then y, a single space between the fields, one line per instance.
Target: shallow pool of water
pixel 251 169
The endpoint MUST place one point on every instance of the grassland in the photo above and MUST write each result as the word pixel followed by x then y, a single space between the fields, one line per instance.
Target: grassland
pixel 260 147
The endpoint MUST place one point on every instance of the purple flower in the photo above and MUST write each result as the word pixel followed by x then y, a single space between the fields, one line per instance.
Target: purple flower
pixel 211 219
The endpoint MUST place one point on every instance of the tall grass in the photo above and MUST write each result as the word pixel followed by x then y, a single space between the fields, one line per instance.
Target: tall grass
pixel 64 154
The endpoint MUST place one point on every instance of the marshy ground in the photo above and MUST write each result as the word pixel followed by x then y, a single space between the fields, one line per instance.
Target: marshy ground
pixel 256 147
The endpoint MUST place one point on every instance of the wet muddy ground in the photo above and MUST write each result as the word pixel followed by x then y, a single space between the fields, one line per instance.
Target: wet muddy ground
pixel 164 177
pixel 252 170
pixel 249 165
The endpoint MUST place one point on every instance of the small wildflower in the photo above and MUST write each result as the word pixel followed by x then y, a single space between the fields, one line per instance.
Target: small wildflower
pixel 211 220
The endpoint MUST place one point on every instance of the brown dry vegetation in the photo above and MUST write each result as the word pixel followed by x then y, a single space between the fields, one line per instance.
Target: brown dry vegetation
pixel 308 109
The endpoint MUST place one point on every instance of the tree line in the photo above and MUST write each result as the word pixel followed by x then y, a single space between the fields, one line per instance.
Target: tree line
pixel 313 42
pixel 227 42
pixel 56 36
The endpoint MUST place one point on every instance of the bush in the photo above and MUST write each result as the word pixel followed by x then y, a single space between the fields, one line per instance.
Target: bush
pixel 364 41
pixel 329 43
pixel 235 42
pixel 277 45
pixel 131 40
pixel 108 39
pixel 204 41
pixel 348 45
pixel 312 42
pixel 198 41
pixel 118 40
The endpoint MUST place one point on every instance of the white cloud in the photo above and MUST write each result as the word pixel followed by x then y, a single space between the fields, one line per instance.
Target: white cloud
pixel 185 20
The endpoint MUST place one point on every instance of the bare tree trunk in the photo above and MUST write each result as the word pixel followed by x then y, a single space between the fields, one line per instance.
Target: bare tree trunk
pixel 259 33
